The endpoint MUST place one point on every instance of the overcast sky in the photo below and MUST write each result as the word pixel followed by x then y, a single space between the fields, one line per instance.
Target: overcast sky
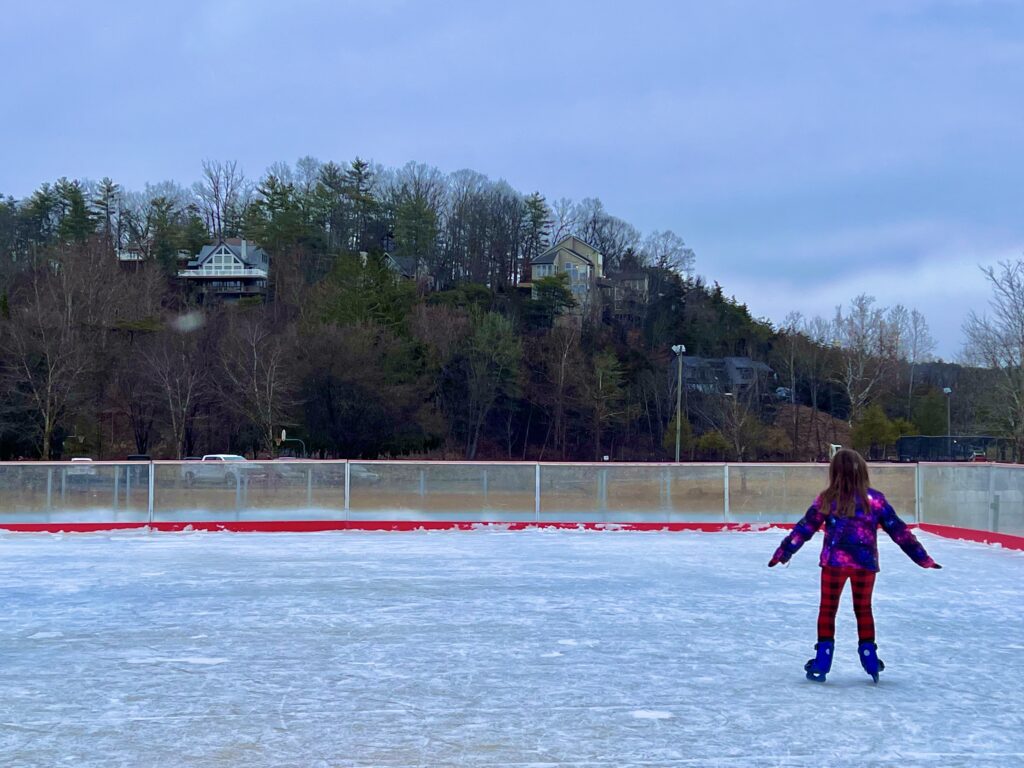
pixel 807 151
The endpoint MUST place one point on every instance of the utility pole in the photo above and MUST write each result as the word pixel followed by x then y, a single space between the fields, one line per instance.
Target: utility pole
pixel 679 349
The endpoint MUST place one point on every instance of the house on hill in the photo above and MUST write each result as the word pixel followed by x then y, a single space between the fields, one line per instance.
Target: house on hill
pixel 229 269
pixel 583 263
pixel 625 294
pixel 720 375
pixel 407 268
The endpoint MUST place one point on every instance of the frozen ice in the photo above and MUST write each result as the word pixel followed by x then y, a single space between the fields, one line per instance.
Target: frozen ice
pixel 537 648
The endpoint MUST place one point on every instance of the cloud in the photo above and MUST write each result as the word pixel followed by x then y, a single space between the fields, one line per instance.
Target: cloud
pixel 946 286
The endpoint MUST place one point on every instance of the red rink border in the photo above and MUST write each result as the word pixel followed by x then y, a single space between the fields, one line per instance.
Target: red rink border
pixel 1006 540
pixel 315 526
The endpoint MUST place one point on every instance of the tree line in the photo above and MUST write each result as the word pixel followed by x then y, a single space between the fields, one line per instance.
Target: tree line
pixel 106 358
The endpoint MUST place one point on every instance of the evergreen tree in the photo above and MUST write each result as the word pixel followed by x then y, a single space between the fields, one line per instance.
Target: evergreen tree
pixel 107 207
pixel 76 223
pixel 537 230
pixel 357 184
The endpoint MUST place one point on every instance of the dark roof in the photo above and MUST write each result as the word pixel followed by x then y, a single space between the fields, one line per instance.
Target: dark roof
pixel 254 255
pixel 405 264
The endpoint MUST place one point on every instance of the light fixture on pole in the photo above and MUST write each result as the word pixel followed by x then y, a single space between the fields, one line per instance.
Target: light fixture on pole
pixel 679 350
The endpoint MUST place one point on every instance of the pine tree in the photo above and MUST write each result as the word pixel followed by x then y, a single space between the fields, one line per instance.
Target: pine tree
pixel 76 223
pixel 537 228
pixel 358 189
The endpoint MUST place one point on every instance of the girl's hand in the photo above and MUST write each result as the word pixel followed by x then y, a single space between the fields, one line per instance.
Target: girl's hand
pixel 773 562
pixel 934 565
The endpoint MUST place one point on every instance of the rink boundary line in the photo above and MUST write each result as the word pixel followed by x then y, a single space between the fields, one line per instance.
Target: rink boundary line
pixel 1006 540
pixel 317 526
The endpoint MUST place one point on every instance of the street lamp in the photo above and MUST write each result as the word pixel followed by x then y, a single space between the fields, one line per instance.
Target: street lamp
pixel 949 431
pixel 679 349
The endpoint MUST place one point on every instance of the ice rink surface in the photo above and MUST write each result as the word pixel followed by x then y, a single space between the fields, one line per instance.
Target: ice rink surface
pixel 494 648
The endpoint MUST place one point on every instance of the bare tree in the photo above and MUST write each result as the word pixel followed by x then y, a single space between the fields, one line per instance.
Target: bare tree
pixel 257 368
pixel 610 235
pixel 60 314
pixel 564 219
pixel 996 341
pixel 223 193
pixel 558 382
pixel 604 390
pixel 492 358
pixel 176 369
pixel 816 361
pixel 868 344
pixel 668 251
pixel 787 362
pixel 917 346
pixel 43 360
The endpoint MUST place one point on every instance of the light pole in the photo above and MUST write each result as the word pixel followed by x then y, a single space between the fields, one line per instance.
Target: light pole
pixel 949 430
pixel 679 349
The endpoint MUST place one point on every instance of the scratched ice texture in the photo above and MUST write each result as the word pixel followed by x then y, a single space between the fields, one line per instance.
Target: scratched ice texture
pixel 494 648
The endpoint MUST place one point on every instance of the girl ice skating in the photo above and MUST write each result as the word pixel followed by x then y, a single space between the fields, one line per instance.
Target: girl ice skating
pixel 851 512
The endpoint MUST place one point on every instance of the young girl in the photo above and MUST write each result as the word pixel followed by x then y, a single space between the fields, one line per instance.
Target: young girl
pixel 851 513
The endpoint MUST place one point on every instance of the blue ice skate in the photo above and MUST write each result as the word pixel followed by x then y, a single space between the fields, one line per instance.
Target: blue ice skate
pixel 820 665
pixel 868 654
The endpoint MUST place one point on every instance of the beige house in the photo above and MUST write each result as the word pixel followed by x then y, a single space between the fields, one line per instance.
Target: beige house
pixel 582 262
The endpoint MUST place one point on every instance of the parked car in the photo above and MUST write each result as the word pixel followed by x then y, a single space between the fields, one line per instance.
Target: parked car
pixel 220 469
pixel 81 467
pixel 286 468
pixel 361 474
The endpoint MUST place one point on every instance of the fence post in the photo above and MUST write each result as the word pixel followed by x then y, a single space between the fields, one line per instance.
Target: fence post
pixel 918 507
pixel 993 516
pixel 725 478
pixel 152 492
pixel 309 487
pixel 536 492
pixel 348 486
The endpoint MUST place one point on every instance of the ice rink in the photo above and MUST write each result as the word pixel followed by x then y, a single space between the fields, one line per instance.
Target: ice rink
pixel 495 648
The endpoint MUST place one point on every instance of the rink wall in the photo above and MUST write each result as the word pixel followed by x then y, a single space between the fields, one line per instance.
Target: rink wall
pixel 983 500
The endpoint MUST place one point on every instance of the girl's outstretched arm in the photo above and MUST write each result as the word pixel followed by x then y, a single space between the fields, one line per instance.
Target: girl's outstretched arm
pixel 901 534
pixel 802 531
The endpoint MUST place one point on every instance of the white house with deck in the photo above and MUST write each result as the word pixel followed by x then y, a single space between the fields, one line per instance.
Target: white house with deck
pixel 230 269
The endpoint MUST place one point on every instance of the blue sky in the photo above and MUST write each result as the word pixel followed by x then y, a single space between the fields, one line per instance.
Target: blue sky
pixel 807 151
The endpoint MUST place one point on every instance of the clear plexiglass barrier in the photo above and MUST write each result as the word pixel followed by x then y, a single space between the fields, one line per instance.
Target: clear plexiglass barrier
pixel 981 496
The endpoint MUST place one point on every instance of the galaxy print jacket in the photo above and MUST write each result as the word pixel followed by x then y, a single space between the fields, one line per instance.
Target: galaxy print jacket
pixel 852 542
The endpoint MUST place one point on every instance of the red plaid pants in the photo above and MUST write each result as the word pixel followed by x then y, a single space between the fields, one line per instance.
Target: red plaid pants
pixel 862 583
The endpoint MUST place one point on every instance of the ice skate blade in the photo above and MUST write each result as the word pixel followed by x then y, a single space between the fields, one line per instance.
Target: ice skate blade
pixel 817 677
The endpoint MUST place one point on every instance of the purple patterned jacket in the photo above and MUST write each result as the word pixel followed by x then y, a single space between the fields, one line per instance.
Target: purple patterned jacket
pixel 851 542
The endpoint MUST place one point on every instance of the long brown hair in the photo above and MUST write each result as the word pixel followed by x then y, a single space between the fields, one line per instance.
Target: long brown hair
pixel 847 482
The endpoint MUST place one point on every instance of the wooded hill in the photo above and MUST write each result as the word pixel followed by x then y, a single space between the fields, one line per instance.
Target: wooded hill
pixel 106 357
